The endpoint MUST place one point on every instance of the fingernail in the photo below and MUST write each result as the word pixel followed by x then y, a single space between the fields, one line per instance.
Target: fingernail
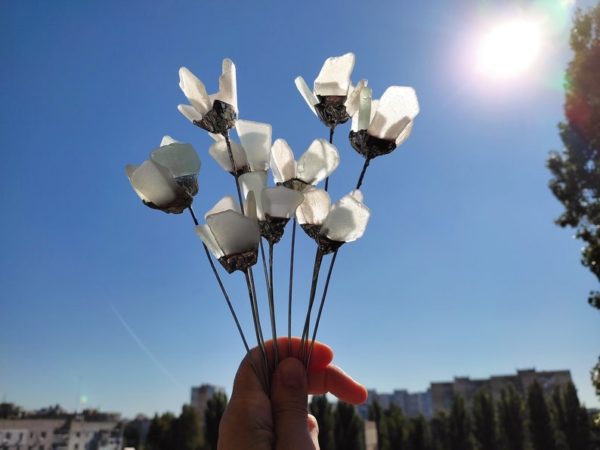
pixel 292 373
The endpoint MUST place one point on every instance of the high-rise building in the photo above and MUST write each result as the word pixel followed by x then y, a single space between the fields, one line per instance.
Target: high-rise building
pixel 200 397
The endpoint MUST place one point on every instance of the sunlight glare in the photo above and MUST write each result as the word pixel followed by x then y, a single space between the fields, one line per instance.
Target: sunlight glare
pixel 509 49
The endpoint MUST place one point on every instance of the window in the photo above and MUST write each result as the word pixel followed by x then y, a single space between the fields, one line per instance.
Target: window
pixel 43 434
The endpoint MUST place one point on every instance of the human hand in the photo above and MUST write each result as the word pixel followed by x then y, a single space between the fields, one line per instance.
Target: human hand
pixel 253 421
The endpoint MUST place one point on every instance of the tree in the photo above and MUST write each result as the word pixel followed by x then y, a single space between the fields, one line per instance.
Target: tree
pixel 215 407
pixel 571 418
pixel 484 420
pixel 540 424
pixel 576 170
pixel 348 428
pixel 186 433
pixel 323 412
pixel 160 432
pixel 440 431
pixel 397 428
pixel 459 425
pixel 511 418
pixel 377 415
pixel 418 438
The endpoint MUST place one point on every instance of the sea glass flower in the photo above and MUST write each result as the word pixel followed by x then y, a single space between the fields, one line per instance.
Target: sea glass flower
pixel 334 100
pixel 215 113
pixel 230 236
pixel 274 205
pixel 316 164
pixel 331 226
pixel 382 125
pixel 169 179
pixel 253 152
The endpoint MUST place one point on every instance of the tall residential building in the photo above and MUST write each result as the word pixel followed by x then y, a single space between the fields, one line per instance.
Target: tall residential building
pixel 200 397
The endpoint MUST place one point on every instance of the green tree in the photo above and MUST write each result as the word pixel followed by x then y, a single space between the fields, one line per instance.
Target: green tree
pixel 484 420
pixel 459 425
pixel 571 418
pixel 131 436
pixel 186 431
pixel 215 407
pixel 576 170
pixel 541 428
pixel 511 418
pixel 376 414
pixel 418 436
pixel 440 431
pixel 397 428
pixel 323 412
pixel 160 432
pixel 348 428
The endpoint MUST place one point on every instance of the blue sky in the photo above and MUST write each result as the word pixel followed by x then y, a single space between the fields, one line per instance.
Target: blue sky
pixel 461 272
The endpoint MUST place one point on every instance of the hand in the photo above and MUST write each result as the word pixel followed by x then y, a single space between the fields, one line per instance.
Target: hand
pixel 253 421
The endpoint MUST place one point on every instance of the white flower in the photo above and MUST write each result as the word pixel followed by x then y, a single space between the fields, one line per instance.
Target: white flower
pixel 316 164
pixel 332 226
pixel 253 152
pixel 382 125
pixel 230 236
pixel 334 100
pixel 215 113
pixel 169 179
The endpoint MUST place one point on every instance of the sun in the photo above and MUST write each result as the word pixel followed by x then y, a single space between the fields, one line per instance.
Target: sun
pixel 509 49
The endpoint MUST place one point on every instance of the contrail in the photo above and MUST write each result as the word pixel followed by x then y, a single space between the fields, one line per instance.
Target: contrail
pixel 145 349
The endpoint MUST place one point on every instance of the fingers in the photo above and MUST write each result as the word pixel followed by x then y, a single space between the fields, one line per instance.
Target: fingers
pixel 335 380
pixel 313 429
pixel 289 393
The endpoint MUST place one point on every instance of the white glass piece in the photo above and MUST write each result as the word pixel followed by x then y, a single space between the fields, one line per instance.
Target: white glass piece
pixel 318 162
pixel 250 206
pixel 397 104
pixel 153 184
pixel 280 201
pixel 233 232
pixel 255 137
pixel 353 101
pixel 364 109
pixel 190 113
pixel 404 134
pixel 307 94
pixel 314 208
pixel 347 220
pixel 228 85
pixel 334 77
pixel 358 195
pixel 374 106
pixel 204 233
pixel 225 204
pixel 180 159
pixel 216 137
pixel 283 164
pixel 254 181
pixel 166 140
pixel 194 90
pixel 220 154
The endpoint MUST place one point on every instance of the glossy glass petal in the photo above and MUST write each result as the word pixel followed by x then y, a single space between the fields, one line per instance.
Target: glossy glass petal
pixel 228 85
pixel 220 154
pixel 194 90
pixel 189 113
pixel 254 181
pixel 255 137
pixel 153 184
pixel 283 164
pixel 206 235
pixel 364 109
pixel 318 162
pixel 225 204
pixel 166 140
pixel 397 106
pixel 334 77
pixel 233 232
pixel 280 201
pixel 353 101
pixel 314 208
pixel 250 206
pixel 347 220
pixel 307 94
pixel 355 117
pixel 404 134
pixel 180 159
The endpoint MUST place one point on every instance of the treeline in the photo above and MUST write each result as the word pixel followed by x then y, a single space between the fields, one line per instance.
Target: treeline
pixel 537 422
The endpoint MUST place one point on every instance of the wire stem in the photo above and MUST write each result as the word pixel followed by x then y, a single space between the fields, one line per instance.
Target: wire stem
pixel 257 326
pixel 291 289
pixel 311 301
pixel 331 131
pixel 362 173
pixel 272 305
pixel 235 171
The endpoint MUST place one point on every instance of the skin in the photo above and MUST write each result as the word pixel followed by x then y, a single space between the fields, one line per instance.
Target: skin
pixel 255 421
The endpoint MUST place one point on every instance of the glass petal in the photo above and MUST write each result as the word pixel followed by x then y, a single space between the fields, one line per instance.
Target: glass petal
pixel 250 206
pixel 220 154
pixel 194 90
pixel 166 140
pixel 283 164
pixel 254 181
pixel 225 204
pixel 334 78
pixel 364 109
pixel 228 84
pixel 404 134
pixel 347 220
pixel 318 162
pixel 397 106
pixel 314 208
pixel 189 112
pixel 234 232
pixel 255 137
pixel 154 184
pixel 355 117
pixel 180 159
pixel 353 101
pixel 204 233
pixel 307 94
pixel 281 202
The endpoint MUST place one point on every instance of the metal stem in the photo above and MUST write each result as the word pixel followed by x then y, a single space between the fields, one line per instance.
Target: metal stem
pixel 272 305
pixel 257 327
pixel 331 131
pixel 311 300
pixel 235 171
pixel 362 173
pixel 291 289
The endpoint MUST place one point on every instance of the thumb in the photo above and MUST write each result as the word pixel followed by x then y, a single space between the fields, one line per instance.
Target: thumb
pixel 289 399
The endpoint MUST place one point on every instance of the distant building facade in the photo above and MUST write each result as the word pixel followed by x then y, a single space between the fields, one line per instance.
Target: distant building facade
pixel 200 397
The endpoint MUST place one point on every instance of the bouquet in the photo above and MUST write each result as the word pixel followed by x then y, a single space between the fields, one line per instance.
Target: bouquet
pixel 238 232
